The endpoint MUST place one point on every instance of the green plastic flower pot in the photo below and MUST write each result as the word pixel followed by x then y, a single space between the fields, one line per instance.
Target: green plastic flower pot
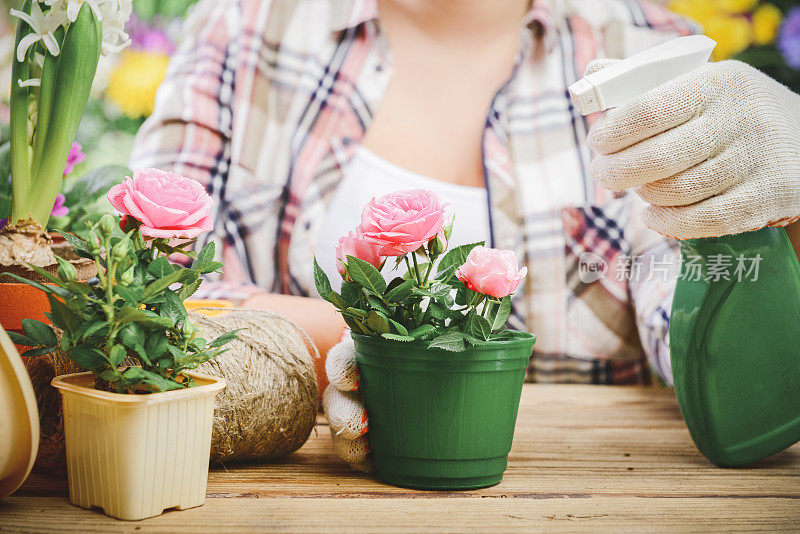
pixel 441 420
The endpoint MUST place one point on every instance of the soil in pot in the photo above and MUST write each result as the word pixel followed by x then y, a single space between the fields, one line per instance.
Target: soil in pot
pixel 441 420
pixel 21 301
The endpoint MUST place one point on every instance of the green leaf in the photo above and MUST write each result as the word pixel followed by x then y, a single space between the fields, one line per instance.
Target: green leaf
pixel 160 267
pixel 53 290
pixel 355 311
pixel 321 281
pixel 88 358
pixel 227 337
pixel 190 289
pixel 350 293
pixel 117 354
pixel 172 306
pixel 366 275
pixel 204 256
pixel 161 284
pixel 132 336
pixel 41 351
pixel 377 304
pixel 156 345
pixel 477 326
pixel 210 267
pixel 455 258
pixel 131 294
pixel 93 329
pixel 474 341
pixel 397 337
pixel 501 315
pixel 128 314
pixel 21 339
pixel 422 332
pixel 73 240
pixel 61 315
pixel 335 299
pixel 452 340
pixel 377 322
pixel 136 376
pixel 39 332
pixel 402 330
pixel 401 292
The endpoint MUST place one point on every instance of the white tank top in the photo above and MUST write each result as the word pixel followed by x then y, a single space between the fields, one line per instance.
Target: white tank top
pixel 367 176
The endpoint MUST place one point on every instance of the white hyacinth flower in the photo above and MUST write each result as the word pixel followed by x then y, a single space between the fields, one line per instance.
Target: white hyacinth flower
pixel 115 15
pixel 42 25
pixel 33 82
pixel 74 7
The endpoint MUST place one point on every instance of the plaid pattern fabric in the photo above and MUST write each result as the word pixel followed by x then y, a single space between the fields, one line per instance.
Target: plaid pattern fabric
pixel 266 102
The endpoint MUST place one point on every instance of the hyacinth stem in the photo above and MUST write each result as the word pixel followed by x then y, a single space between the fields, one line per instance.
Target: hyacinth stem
pixel 18 106
pixel 37 172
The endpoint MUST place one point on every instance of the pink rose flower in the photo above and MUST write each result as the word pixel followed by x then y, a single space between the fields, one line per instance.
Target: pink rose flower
pixel 76 156
pixel 354 244
pixel 167 204
pixel 402 222
pixel 491 271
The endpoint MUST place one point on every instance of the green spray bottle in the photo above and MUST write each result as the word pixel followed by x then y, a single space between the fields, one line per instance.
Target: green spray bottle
pixel 735 321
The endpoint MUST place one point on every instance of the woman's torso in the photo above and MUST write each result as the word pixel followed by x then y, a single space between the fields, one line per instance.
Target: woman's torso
pixel 304 87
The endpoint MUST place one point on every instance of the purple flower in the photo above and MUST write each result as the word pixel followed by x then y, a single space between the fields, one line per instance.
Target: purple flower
pixel 59 209
pixel 788 41
pixel 3 223
pixel 149 38
pixel 76 155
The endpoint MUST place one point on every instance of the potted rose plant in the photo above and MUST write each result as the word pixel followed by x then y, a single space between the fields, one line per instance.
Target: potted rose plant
pixel 138 422
pixel 57 48
pixel 441 375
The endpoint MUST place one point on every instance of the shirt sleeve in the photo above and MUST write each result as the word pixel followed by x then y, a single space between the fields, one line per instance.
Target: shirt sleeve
pixel 190 130
pixel 653 267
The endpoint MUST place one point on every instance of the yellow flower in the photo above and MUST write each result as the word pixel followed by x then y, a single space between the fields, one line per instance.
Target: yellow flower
pixel 698 10
pixel 134 82
pixel 736 6
pixel 732 34
pixel 766 21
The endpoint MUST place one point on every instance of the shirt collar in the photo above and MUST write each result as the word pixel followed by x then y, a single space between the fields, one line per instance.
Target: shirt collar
pixel 346 14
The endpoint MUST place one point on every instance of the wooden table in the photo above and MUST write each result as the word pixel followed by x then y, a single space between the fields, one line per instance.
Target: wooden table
pixel 584 457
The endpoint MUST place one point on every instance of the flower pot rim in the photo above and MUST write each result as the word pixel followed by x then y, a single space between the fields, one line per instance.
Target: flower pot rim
pixel 75 383
pixel 423 345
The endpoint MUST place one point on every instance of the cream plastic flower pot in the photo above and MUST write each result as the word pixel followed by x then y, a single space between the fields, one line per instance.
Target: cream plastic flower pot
pixel 134 456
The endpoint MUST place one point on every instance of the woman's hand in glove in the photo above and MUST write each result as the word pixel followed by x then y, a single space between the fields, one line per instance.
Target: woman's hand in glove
pixel 343 406
pixel 714 152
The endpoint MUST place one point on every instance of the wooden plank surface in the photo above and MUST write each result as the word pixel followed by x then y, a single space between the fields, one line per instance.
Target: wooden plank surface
pixel 583 457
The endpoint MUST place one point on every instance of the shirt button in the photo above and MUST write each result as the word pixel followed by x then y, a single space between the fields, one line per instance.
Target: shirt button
pixel 379 68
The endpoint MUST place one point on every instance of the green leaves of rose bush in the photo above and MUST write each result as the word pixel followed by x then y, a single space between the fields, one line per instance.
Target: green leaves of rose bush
pixel 442 311
pixel 133 309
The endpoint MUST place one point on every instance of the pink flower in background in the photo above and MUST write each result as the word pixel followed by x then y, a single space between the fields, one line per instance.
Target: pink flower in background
pixel 166 204
pixel 354 244
pixel 491 271
pixel 59 209
pixel 76 156
pixel 402 222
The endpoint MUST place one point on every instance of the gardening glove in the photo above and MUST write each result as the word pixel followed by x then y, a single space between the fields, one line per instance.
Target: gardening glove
pixel 344 408
pixel 714 152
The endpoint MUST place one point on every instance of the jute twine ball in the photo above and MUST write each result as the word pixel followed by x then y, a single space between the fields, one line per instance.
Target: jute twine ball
pixel 267 410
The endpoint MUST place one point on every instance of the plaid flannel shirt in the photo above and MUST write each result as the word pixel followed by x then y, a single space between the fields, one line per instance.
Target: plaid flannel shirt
pixel 266 101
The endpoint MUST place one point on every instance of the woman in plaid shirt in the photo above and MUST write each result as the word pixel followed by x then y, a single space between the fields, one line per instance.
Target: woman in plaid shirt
pixel 267 103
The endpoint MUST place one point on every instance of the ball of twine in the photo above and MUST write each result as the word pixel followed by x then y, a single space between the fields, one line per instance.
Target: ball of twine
pixel 267 410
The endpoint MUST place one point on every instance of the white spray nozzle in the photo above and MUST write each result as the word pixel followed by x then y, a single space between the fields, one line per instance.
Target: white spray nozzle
pixel 621 82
